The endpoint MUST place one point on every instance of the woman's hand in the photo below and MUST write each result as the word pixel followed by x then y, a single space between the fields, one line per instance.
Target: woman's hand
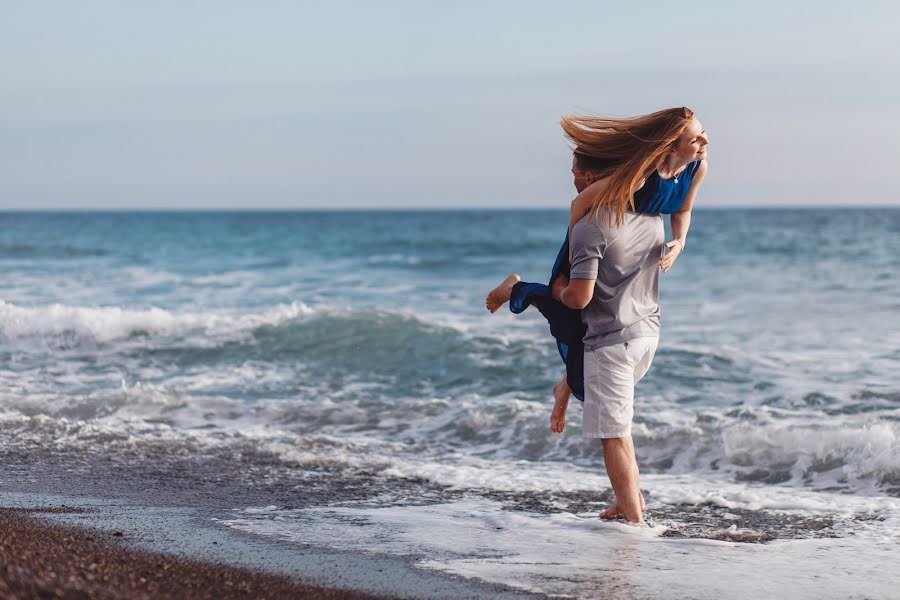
pixel 558 285
pixel 674 249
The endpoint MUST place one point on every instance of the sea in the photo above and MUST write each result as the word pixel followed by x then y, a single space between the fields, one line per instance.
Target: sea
pixel 343 363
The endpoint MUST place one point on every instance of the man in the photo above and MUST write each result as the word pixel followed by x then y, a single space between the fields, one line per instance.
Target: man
pixel 615 280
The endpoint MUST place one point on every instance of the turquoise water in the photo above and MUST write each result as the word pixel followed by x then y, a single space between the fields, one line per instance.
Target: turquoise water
pixel 779 327
pixel 360 339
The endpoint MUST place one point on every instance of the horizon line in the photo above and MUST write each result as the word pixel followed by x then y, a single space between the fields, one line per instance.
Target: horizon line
pixel 277 209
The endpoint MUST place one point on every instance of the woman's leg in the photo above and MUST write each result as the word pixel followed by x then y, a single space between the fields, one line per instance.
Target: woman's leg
pixel 521 295
pixel 565 325
pixel 574 360
pixel 499 296
pixel 561 393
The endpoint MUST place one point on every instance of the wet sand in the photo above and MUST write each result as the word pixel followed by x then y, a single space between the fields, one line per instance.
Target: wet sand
pixel 173 502
pixel 62 508
pixel 43 560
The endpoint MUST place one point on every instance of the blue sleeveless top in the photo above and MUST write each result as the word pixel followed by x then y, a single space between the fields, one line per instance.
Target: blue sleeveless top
pixel 665 195
pixel 657 196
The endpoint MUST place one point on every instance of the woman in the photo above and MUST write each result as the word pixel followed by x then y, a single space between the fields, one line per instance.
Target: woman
pixel 658 161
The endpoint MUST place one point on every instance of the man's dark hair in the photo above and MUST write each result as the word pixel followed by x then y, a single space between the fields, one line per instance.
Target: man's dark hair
pixel 590 163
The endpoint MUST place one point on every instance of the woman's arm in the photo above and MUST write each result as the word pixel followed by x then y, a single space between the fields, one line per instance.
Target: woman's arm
pixel 681 221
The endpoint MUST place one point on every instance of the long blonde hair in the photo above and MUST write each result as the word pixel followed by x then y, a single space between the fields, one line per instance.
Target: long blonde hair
pixel 634 147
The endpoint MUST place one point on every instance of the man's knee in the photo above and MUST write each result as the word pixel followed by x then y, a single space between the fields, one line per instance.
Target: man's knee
pixel 616 442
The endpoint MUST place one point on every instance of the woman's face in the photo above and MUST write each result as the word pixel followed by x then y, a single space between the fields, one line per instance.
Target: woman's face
pixel 692 143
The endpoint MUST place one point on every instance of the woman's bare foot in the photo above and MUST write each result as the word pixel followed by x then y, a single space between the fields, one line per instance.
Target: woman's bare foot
pixel 561 393
pixel 613 511
pixel 500 294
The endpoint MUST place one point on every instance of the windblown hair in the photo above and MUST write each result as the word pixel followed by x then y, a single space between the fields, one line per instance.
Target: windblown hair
pixel 627 150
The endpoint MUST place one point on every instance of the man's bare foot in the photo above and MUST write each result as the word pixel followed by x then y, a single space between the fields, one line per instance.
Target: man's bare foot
pixel 613 511
pixel 500 294
pixel 561 393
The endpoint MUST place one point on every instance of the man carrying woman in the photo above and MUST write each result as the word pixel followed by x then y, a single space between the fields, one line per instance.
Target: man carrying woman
pixel 606 281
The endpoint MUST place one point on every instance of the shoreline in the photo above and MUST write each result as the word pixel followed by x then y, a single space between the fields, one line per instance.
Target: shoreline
pixel 44 559
pixel 335 527
pixel 181 506
pixel 89 547
pixel 175 504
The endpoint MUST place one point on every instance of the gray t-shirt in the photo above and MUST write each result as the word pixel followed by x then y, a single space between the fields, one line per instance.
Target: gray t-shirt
pixel 625 262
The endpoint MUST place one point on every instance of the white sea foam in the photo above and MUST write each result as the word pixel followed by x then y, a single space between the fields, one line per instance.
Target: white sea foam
pixel 501 442
pixel 867 452
pixel 229 279
pixel 103 324
pixel 139 276
pixel 147 412
pixel 394 259
pixel 106 324
pixel 467 472
pixel 569 555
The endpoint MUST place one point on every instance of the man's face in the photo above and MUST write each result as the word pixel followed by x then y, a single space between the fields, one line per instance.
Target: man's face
pixel 582 178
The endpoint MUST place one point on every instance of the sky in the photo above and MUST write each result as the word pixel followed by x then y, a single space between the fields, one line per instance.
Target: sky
pixel 288 105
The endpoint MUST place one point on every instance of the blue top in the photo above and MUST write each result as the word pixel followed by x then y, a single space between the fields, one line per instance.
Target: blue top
pixel 657 196
pixel 665 195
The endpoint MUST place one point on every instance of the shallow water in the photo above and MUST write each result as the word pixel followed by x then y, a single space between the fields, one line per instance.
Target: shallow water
pixel 359 341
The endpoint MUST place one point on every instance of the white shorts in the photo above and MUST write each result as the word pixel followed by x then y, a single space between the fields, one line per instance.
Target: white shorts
pixel 610 374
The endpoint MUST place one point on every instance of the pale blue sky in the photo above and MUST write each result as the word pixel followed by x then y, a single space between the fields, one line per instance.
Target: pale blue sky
pixel 181 104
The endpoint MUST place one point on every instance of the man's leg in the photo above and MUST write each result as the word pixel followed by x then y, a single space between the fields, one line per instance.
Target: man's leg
pixel 621 466
pixel 610 376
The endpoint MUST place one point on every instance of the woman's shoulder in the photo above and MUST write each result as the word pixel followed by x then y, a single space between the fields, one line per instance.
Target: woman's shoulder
pixel 697 166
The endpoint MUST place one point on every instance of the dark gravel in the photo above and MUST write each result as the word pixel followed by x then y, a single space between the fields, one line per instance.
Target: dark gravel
pixel 40 560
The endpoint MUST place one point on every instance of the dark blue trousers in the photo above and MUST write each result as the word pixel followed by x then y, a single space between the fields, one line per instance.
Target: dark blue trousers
pixel 565 323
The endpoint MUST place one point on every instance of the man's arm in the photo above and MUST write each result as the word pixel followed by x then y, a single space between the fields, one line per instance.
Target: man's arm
pixel 588 244
pixel 582 204
pixel 575 293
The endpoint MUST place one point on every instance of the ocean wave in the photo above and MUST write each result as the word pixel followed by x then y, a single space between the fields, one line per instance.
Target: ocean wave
pixel 415 262
pixel 850 457
pixel 854 454
pixel 31 251
pixel 460 247
pixel 409 354
pixel 435 385
pixel 381 348
pixel 61 326
pixel 857 453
